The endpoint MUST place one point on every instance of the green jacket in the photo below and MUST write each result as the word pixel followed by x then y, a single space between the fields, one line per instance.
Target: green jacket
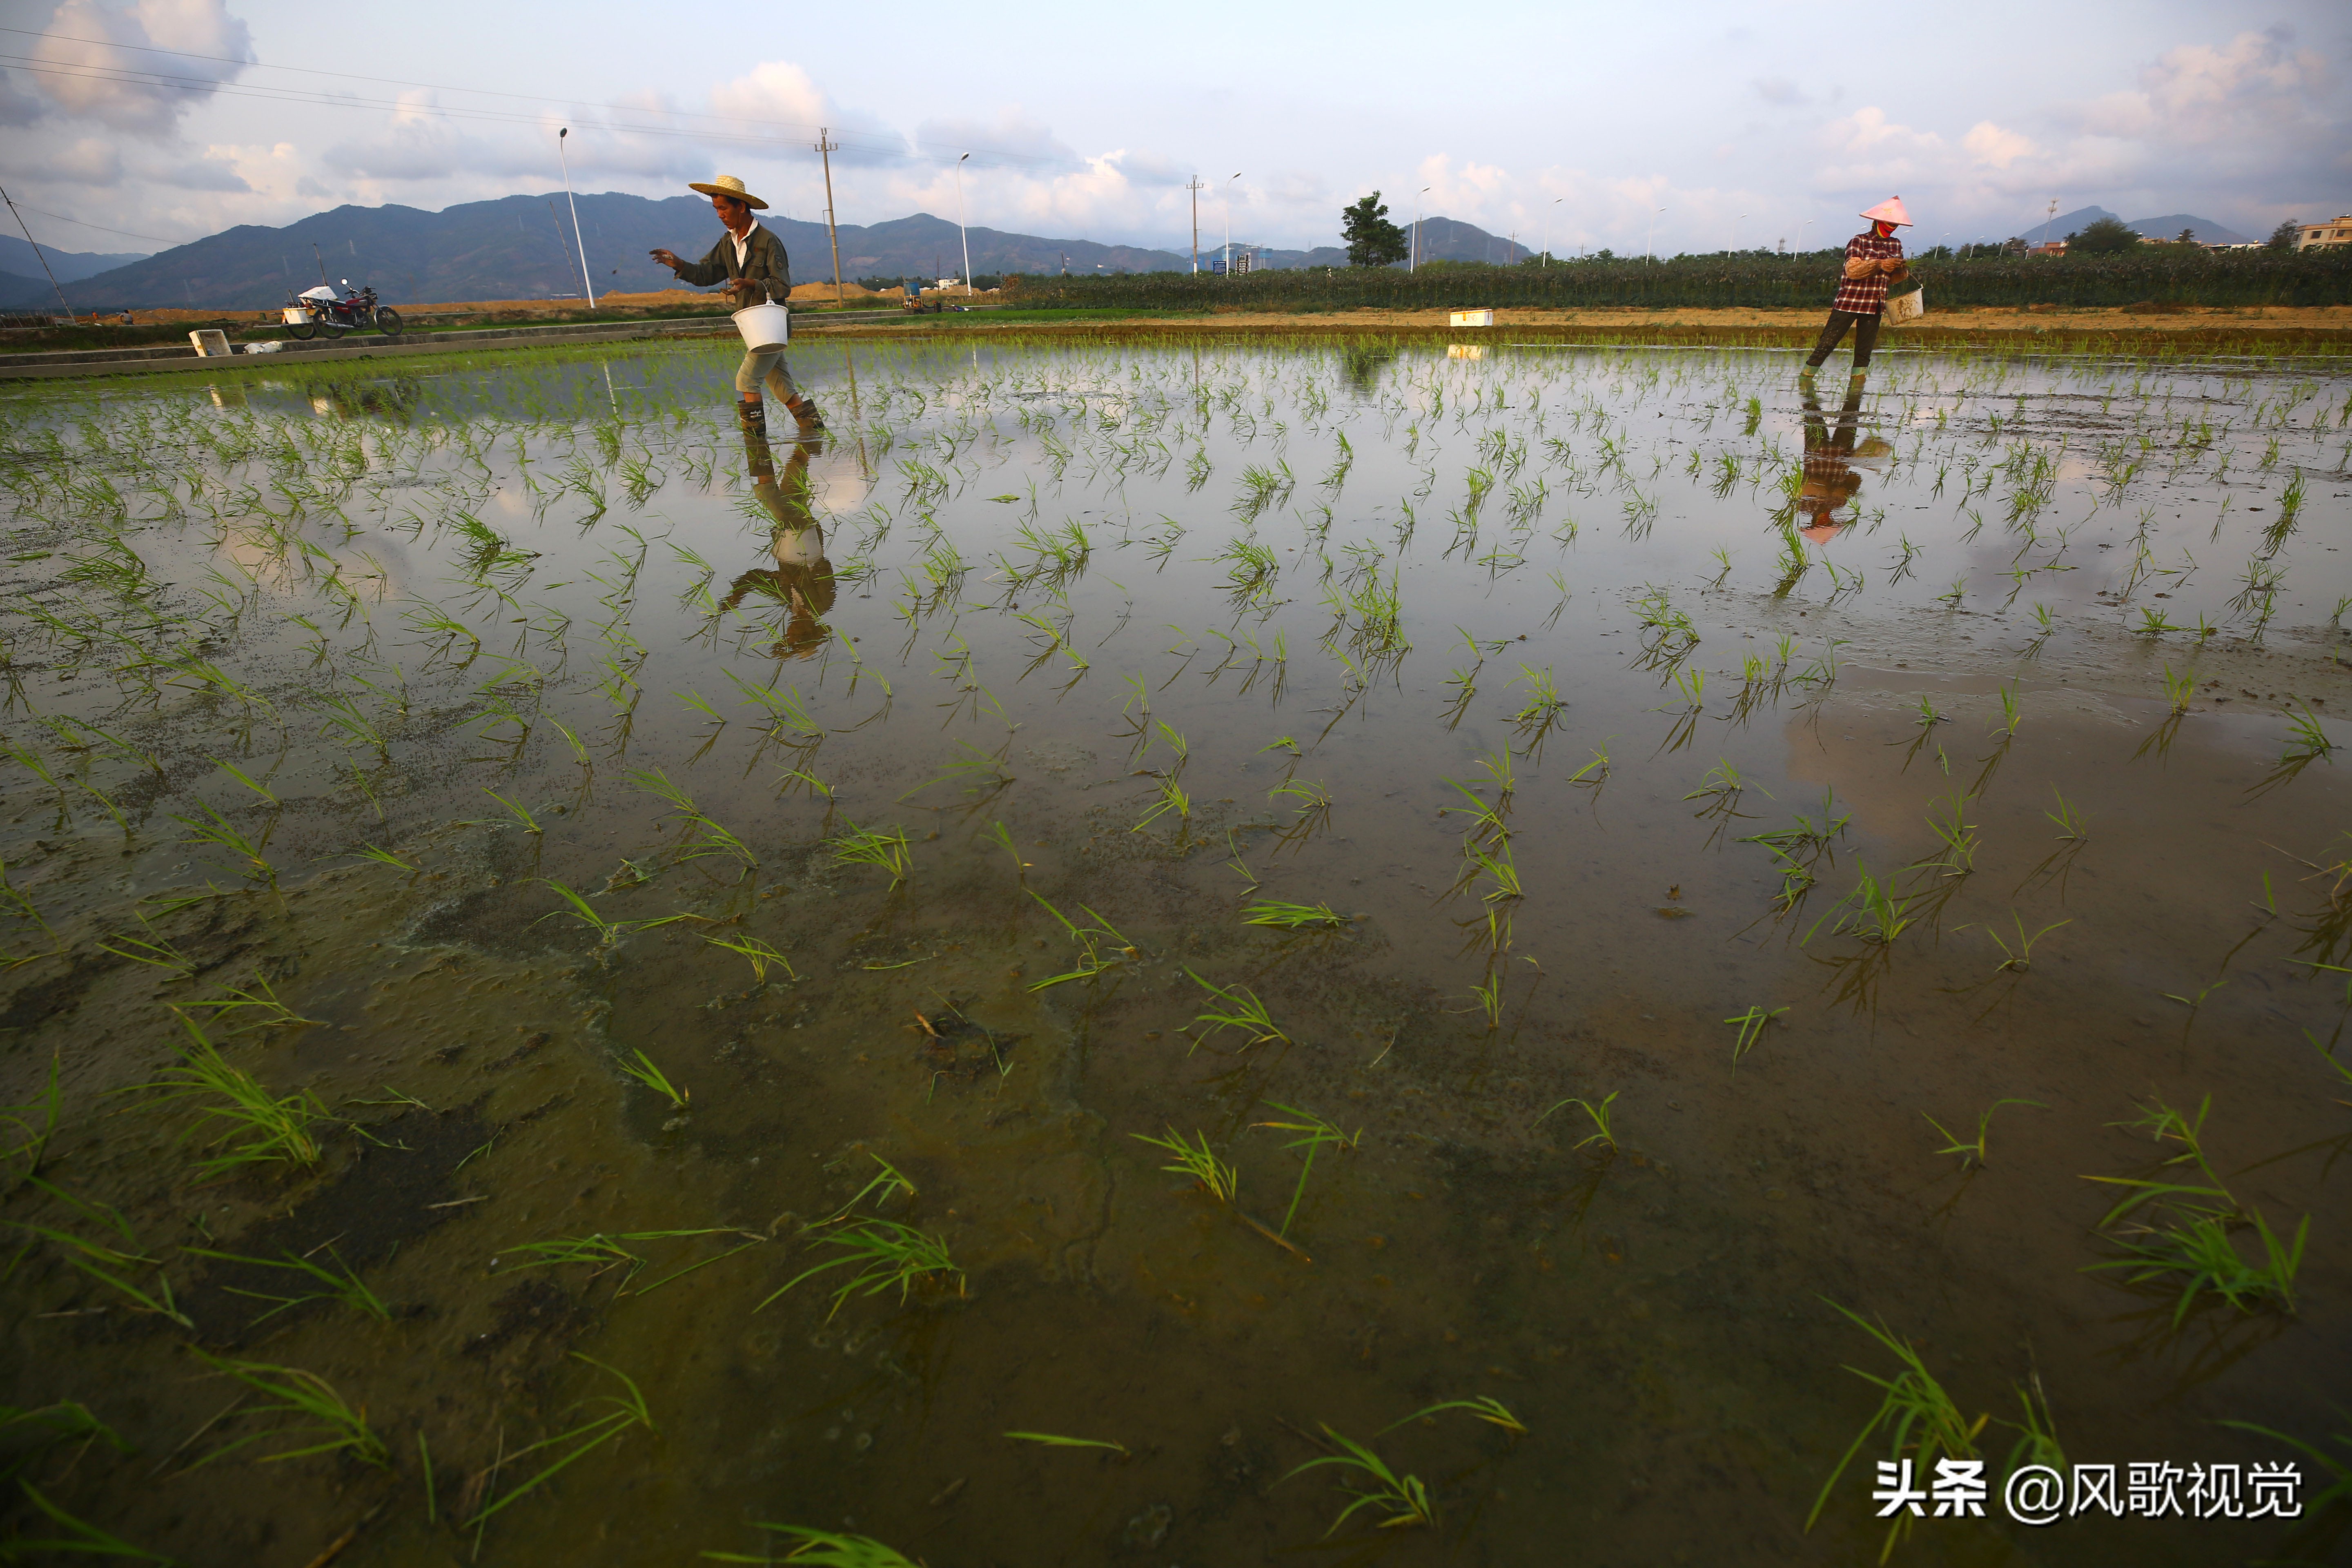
pixel 764 266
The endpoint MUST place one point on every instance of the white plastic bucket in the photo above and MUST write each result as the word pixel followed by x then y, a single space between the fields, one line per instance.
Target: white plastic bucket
pixel 766 328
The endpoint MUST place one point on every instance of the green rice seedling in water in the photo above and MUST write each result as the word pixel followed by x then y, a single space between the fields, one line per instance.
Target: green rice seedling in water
pixel 1487 998
pixel 884 1253
pixel 1486 1407
pixel 1247 1014
pixel 1055 1440
pixel 1947 820
pixel 2305 740
pixel 346 1287
pixel 2200 1251
pixel 103 1261
pixel 2179 688
pixel 2340 1490
pixel 382 858
pixel 159 953
pixel 263 1000
pixel 81 1538
pixel 826 1548
pixel 2009 715
pixel 1751 1029
pixel 885 851
pixel 1401 1500
pixel 257 1127
pixel 1873 911
pixel 1090 940
pixel 35 1121
pixel 1314 1133
pixel 219 829
pixel 1543 695
pixel 321 1420
pixel 1172 798
pixel 1599 1115
pixel 2071 827
pixel 889 1182
pixel 2020 957
pixel 1292 917
pixel 1918 1418
pixel 621 1412
pixel 643 1069
pixel 602 1253
pixel 1972 1151
pixel 760 954
pixel 1197 1161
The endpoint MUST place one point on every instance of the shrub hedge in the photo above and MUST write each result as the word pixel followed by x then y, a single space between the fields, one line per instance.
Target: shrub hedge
pixel 2165 275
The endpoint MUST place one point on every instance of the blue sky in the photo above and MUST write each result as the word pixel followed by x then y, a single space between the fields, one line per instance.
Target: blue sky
pixel 1719 125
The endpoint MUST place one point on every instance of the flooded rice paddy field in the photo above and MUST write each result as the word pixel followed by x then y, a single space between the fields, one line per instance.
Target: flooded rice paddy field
pixel 579 983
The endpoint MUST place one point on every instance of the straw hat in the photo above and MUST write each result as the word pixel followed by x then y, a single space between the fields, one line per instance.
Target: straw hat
pixel 728 186
pixel 1891 210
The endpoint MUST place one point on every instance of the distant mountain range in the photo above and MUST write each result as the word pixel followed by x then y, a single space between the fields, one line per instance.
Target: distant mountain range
pixel 70 265
pixel 522 247
pixel 2203 230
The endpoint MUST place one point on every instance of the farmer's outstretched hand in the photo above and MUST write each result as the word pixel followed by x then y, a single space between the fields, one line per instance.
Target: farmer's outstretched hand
pixel 666 258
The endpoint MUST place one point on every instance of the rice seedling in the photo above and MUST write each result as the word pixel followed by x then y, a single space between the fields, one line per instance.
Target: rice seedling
pixel 1597 1114
pixel 382 858
pixel 81 1538
pixel 318 1419
pixel 1874 912
pixel 1292 917
pixel 158 954
pixel 1401 1500
pixel 217 829
pixel 884 1253
pixel 826 1548
pixel 620 1412
pixel 1750 1025
pixel 759 953
pixel 2337 1491
pixel 1947 820
pixel 1091 940
pixel 1972 1151
pixel 2305 739
pixel 1055 1440
pixel 889 1182
pixel 1171 796
pixel 35 1122
pixel 2071 826
pixel 257 1127
pixel 883 850
pixel 1919 1420
pixel 2198 1250
pixel 600 1254
pixel 1543 699
pixel 1315 1133
pixel 1246 1013
pixel 110 1264
pixel 1486 1407
pixel 1196 1160
pixel 2020 957
pixel 641 1067
pixel 346 1287
pixel 2178 689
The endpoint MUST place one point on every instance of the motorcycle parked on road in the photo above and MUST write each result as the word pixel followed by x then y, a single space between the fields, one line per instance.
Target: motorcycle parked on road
pixel 321 310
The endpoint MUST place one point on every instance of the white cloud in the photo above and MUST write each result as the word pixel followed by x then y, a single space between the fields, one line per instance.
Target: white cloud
pixel 85 68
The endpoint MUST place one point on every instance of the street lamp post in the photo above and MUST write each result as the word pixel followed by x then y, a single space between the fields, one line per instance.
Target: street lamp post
pixel 1735 231
pixel 1650 247
pixel 960 233
pixel 585 282
pixel 1549 216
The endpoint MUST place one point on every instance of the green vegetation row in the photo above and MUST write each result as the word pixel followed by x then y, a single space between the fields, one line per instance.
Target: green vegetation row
pixel 1751 279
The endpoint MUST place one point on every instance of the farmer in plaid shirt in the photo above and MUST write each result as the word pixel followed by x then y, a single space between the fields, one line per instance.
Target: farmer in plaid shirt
pixel 1873 260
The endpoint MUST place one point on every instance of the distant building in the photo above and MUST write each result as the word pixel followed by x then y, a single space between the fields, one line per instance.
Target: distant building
pixel 2337 233
pixel 2047 247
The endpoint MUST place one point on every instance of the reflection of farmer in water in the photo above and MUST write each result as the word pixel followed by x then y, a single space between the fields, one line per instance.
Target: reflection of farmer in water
pixel 1831 453
pixel 801 578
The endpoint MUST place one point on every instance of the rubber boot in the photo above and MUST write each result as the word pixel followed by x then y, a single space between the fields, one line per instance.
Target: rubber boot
pixel 753 415
pixel 803 412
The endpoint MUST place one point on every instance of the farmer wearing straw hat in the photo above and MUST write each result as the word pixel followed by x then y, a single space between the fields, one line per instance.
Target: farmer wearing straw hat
pixel 751 259
pixel 1873 260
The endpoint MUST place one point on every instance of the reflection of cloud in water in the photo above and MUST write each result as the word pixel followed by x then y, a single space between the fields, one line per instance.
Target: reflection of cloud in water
pixel 839 481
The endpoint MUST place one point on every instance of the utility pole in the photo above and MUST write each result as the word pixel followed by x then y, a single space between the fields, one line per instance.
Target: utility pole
pixel 1196 187
pixel 1229 225
pixel 585 281
pixel 826 147
pixel 36 251
pixel 323 260
pixel 1412 264
pixel 960 232
pixel 2046 219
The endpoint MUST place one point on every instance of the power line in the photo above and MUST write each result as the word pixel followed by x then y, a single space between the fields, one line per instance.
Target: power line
pixel 339 100
pixel 102 228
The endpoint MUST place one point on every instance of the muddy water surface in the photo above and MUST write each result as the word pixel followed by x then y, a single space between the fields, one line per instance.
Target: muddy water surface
pixel 927 795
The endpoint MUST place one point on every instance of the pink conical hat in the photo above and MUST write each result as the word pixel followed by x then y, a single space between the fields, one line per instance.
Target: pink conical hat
pixel 1889 211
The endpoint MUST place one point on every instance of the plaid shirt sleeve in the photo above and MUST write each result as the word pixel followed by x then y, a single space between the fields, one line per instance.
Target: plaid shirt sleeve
pixel 1867 296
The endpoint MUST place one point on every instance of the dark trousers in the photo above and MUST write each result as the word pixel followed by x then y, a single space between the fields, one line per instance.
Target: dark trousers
pixel 1865 336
